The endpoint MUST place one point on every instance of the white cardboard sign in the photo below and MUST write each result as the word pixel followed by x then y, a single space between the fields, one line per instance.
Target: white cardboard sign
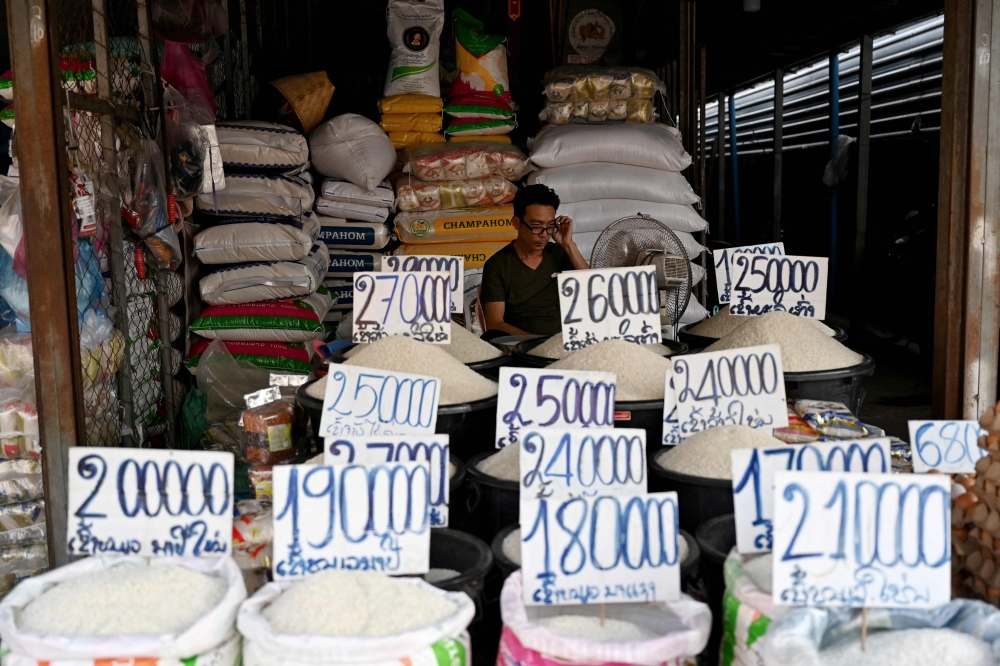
pixel 671 427
pixel 609 304
pixel 558 462
pixel 754 470
pixel 415 305
pixel 789 283
pixel 370 517
pixel 368 401
pixel 603 549
pixel 150 502
pixel 876 540
pixel 432 449
pixel 453 266
pixel 950 447
pixel 743 386
pixel 542 398
pixel 724 263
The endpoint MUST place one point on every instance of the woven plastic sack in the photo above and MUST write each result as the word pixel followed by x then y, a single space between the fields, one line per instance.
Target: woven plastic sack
pixel 400 103
pixel 479 126
pixel 585 241
pixel 248 194
pixel 274 356
pixel 598 214
pixel 474 253
pixel 414 30
pixel 209 632
pixel 265 281
pixel 482 66
pixel 747 612
pixel 345 263
pixel 226 654
pixel 343 191
pixel 443 642
pixel 352 148
pixel 694 312
pixel 239 240
pixel 796 639
pixel 470 159
pixel 455 226
pixel 682 629
pixel 603 180
pixel 412 194
pixel 411 122
pixel 261 146
pixel 300 320
pixel 652 146
pixel 351 211
pixel 401 140
pixel 344 235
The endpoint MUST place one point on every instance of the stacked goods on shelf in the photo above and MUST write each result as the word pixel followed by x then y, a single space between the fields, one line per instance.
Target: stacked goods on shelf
pixel 411 119
pixel 600 95
pixel 355 202
pixel 479 102
pixel 604 172
pixel 259 236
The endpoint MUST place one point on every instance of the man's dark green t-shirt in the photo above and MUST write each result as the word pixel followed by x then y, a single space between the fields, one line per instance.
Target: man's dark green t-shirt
pixel 531 295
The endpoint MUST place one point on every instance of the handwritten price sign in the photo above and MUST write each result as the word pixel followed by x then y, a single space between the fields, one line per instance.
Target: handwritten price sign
pixel 605 549
pixel 432 449
pixel 540 398
pixel 453 266
pixel 671 426
pixel 371 517
pixel 878 540
pixel 792 284
pixel 753 479
pixel 732 387
pixel 415 305
pixel 148 502
pixel 724 264
pixel 367 401
pixel 948 446
pixel 581 461
pixel 609 304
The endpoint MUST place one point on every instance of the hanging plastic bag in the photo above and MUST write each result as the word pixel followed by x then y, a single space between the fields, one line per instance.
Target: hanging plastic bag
pixel 148 214
pixel 181 69
pixel 12 224
pixel 195 158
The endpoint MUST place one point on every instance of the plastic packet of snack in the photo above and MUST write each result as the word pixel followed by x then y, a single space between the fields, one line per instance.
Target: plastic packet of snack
pixel 797 431
pixel 557 113
pixel 832 419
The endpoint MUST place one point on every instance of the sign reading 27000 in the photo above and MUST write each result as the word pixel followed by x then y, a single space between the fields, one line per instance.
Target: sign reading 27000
pixel 146 502
pixel 415 305
pixel 609 304
pixel 796 285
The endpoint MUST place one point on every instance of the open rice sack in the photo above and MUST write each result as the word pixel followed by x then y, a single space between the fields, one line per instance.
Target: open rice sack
pixel 486 224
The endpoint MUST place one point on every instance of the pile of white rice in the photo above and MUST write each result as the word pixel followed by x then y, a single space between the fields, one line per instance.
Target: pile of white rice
pixel 640 373
pixel 505 464
pixel 804 348
pixel 458 383
pixel 465 346
pixel 553 348
pixel 722 324
pixel 124 600
pixel 591 628
pixel 355 603
pixel 706 454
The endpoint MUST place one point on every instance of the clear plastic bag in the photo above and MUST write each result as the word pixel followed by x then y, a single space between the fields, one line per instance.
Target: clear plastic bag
pixel 470 159
pixel 600 112
pixel 148 214
pixel 420 195
pixel 181 69
pixel 225 381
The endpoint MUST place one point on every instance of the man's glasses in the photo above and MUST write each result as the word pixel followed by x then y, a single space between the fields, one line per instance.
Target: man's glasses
pixel 543 231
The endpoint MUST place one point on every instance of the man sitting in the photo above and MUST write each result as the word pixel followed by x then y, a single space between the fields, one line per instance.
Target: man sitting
pixel 519 291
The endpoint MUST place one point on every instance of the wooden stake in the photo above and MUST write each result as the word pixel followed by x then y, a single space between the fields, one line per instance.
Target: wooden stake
pixel 864 627
pixel 602 614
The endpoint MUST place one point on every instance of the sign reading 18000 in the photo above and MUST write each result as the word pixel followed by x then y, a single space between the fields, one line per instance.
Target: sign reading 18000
pixel 415 305
pixel 762 283
pixel 609 303
pixel 368 401
pixel 147 502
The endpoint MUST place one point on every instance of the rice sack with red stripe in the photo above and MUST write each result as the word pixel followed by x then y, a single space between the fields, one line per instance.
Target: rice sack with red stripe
pixel 298 320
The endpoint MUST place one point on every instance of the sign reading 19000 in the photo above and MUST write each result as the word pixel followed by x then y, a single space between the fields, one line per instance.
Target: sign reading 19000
pixel 147 502
pixel 609 304
pixel 415 305
pixel 762 283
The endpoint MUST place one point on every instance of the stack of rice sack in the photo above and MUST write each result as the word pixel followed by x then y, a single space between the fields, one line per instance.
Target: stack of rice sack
pixel 355 202
pixel 411 108
pixel 23 552
pixel 604 172
pixel 456 199
pixel 479 102
pixel 259 240
pixel 600 95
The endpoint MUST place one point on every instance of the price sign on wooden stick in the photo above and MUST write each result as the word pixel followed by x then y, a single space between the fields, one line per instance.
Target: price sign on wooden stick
pixel 796 285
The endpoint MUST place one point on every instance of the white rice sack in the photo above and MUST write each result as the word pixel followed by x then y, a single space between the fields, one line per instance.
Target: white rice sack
pixel 586 241
pixel 342 190
pixel 414 30
pixel 598 214
pixel 260 194
pixel 240 240
pixel 342 292
pixel 344 263
pixel 340 234
pixel 351 211
pixel 353 148
pixel 694 312
pixel 266 281
pixel 261 146
pixel 160 628
pixel 652 146
pixel 603 180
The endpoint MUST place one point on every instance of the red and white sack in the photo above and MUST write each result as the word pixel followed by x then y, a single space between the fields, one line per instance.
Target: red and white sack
pixel 469 159
pixel 605 180
pixel 297 320
pixel 419 195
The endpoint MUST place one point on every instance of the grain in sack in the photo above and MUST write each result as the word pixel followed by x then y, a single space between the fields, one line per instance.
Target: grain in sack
pixel 597 215
pixel 265 281
pixel 419 195
pixel 650 146
pixel 472 159
pixel 604 180
pixel 249 194
pixel 647 634
pixel 747 608
pixel 239 240
pixel 376 620
pixel 487 224
pixel 341 234
pixel 256 145
pixel 402 140
pixel 352 148
pixel 335 189
pixel 99 608
pixel 351 211
pixel 414 30
pixel 345 263
pixel 297 320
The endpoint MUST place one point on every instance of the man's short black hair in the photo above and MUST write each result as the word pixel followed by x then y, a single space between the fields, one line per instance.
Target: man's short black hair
pixel 534 194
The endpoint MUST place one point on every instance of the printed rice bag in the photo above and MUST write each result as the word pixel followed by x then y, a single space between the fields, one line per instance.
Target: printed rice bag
pixel 419 195
pixel 798 431
pixel 471 159
pixel 482 65
pixel 832 419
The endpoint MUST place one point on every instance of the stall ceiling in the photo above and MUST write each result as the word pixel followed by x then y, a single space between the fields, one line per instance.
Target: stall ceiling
pixel 742 46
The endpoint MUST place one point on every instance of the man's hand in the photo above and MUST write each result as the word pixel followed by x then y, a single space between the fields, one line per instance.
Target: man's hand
pixel 564 234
